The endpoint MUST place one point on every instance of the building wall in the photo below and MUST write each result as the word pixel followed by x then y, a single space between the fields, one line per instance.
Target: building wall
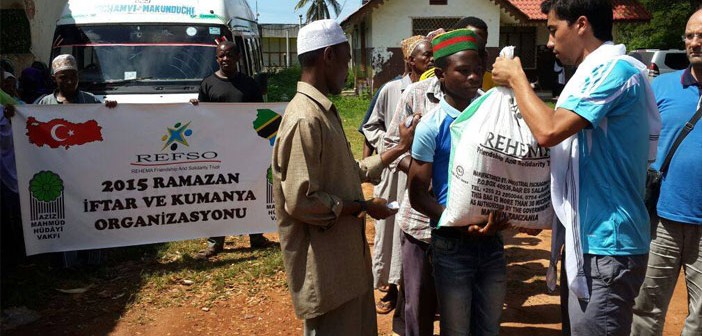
pixel 42 15
pixel 43 25
pixel 390 23
pixel 274 50
pixel 541 34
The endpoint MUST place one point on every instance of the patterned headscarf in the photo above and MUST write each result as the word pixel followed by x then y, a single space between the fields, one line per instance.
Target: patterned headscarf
pixel 411 43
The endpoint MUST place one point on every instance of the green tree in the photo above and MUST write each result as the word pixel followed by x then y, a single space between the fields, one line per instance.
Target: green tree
pixel 318 9
pixel 665 29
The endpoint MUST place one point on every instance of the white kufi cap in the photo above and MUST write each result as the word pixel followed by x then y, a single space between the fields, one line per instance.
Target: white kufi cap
pixel 319 34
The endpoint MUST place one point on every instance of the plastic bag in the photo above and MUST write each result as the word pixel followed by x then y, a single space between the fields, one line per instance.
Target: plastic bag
pixel 497 164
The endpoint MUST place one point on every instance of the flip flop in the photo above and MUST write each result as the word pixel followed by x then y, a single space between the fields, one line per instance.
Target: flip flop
pixel 385 307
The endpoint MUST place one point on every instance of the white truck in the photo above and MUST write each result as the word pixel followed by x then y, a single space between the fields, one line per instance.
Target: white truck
pixel 153 51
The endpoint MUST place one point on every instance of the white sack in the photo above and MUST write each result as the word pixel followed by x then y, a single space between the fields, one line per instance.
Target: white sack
pixel 496 163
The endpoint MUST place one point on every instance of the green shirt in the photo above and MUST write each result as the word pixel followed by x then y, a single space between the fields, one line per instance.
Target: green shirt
pixel 6 99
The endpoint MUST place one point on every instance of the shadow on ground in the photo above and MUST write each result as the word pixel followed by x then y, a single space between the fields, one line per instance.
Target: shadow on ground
pixel 97 297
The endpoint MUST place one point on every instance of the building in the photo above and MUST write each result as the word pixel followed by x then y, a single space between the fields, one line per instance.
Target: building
pixel 279 45
pixel 27 28
pixel 378 26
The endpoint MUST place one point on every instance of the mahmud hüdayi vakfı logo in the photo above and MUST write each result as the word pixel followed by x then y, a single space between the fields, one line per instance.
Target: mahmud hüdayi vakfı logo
pixel 46 205
pixel 178 134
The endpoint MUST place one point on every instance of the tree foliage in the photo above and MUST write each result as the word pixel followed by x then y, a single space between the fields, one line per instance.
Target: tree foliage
pixel 318 9
pixel 665 29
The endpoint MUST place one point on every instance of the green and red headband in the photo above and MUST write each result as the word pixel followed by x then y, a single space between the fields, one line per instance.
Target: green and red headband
pixel 454 41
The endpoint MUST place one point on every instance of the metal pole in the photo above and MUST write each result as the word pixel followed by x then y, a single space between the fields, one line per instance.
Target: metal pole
pixel 287 48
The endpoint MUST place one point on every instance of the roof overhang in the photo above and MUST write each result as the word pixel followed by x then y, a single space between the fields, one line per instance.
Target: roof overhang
pixel 525 12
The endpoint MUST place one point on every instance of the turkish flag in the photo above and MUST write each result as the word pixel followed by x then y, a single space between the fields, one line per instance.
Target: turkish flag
pixel 59 132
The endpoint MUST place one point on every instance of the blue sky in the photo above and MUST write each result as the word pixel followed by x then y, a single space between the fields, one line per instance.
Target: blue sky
pixel 283 11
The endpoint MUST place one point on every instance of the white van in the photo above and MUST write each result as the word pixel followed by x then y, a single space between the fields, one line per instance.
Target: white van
pixel 153 51
pixel 660 61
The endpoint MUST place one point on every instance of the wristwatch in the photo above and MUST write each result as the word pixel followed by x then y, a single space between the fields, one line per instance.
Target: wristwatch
pixel 364 207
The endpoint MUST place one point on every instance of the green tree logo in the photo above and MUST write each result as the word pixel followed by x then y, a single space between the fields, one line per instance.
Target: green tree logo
pixel 46 186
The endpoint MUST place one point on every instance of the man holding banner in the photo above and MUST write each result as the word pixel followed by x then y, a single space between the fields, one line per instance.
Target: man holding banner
pixel 64 69
pixel 227 85
pixel 317 189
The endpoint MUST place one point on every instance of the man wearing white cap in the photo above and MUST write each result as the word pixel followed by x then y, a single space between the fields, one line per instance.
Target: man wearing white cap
pixel 64 69
pixel 319 202
pixel 65 73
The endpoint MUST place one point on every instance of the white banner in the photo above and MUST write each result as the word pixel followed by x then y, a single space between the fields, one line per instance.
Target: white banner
pixel 92 177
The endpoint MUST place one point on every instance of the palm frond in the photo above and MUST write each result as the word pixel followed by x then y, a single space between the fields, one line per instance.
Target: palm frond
pixel 311 13
pixel 335 6
pixel 301 4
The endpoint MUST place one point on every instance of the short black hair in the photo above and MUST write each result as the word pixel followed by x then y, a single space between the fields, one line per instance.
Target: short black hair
pixel 225 44
pixel 307 59
pixel 470 21
pixel 598 13
pixel 7 66
pixel 442 63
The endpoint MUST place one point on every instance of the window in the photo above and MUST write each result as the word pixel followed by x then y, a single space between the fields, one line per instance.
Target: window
pixel 524 39
pixel 677 61
pixel 274 52
pixel 422 26
pixel 15 34
pixel 437 2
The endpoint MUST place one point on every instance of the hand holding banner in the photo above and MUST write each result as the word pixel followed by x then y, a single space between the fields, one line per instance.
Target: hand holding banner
pixel 90 177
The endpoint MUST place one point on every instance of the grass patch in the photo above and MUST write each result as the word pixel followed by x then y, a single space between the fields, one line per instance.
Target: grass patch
pixel 352 109
pixel 282 86
pixel 158 275
pixel 163 275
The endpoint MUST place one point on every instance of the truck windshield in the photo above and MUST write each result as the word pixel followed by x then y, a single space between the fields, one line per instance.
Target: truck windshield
pixel 141 58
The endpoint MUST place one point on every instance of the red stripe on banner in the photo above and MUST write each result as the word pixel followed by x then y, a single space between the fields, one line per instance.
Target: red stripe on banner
pixel 455 40
pixel 174 163
pixel 139 45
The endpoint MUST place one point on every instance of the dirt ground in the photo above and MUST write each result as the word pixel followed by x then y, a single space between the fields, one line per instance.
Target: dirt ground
pixel 528 310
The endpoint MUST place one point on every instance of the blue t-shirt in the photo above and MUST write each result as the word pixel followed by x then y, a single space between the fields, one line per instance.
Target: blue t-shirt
pixel 677 94
pixel 613 159
pixel 432 143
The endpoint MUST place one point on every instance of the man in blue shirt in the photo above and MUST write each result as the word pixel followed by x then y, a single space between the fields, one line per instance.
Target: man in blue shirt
pixel 469 262
pixel 677 236
pixel 600 132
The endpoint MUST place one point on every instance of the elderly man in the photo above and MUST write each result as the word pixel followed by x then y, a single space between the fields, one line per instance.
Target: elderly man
pixel 319 201
pixel 603 133
pixel 65 73
pixel 677 236
pixel 64 69
pixel 420 303
pixel 387 261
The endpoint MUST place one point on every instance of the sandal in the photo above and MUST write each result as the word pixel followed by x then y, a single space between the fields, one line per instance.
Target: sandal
pixel 385 306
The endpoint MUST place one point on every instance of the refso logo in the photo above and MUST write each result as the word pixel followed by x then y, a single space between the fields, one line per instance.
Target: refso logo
pixel 177 157
pixel 179 136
